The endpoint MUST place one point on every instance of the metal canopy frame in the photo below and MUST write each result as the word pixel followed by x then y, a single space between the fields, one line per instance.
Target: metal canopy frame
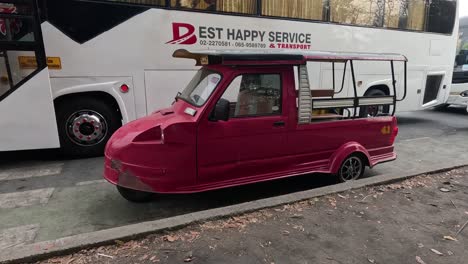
pixel 306 104
pixel 356 101
pixel 269 57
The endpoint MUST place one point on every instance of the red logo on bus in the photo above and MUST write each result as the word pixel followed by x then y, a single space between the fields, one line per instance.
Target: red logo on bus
pixel 183 33
pixel 14 24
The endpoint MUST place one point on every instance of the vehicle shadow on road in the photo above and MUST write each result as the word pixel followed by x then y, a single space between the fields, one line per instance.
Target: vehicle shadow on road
pixel 165 206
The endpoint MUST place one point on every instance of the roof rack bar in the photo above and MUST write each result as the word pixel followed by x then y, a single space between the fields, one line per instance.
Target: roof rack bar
pixel 280 56
pixel 370 101
pixel 333 103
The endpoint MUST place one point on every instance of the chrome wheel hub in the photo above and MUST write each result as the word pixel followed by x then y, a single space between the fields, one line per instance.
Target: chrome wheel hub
pixel 86 127
pixel 351 169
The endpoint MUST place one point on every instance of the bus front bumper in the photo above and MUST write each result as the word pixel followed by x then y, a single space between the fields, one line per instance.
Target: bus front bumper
pixel 457 100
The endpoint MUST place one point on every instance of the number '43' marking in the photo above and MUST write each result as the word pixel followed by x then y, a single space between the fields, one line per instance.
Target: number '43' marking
pixel 386 130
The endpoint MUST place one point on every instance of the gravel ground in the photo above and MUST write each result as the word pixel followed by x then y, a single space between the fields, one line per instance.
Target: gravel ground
pixel 420 220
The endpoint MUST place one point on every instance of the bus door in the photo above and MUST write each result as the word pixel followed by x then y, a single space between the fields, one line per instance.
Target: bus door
pixel 27 116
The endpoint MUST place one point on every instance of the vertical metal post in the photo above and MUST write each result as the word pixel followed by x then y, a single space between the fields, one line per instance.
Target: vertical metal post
pixel 9 36
pixel 39 47
pixel 325 10
pixel 355 88
pixel 333 74
pixel 8 68
pixel 259 7
pixel 394 87
pixel 344 76
pixel 405 82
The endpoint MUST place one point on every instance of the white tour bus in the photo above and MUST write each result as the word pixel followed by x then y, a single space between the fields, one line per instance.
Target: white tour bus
pixel 109 62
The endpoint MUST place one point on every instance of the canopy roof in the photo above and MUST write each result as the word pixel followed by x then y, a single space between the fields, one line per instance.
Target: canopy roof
pixel 253 57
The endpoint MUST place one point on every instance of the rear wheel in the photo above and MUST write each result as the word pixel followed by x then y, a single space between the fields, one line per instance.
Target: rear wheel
pixel 441 107
pixel 371 111
pixel 85 124
pixel 135 196
pixel 351 169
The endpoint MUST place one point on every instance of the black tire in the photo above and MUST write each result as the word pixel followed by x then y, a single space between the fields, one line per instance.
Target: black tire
pixel 441 107
pixel 71 106
pixel 373 110
pixel 135 196
pixel 352 168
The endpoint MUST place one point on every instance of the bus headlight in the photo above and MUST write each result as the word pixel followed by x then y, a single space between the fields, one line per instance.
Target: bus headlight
pixel 464 94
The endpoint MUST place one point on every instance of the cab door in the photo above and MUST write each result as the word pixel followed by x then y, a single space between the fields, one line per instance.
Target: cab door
pixel 27 116
pixel 252 141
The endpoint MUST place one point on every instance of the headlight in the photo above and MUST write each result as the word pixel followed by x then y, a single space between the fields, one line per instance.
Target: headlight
pixel 464 94
pixel 152 134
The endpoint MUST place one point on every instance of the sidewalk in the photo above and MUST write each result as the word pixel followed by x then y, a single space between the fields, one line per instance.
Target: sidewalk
pixel 415 221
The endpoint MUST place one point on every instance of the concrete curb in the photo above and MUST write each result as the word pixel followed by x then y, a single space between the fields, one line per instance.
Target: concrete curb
pixel 46 249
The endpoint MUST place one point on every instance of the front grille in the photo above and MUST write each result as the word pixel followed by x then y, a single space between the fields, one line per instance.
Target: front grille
pixel 432 88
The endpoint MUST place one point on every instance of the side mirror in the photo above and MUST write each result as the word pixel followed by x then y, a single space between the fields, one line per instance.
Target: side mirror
pixel 221 111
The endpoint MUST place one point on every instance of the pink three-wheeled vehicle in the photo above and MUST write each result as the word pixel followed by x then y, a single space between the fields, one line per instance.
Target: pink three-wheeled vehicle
pixel 252 116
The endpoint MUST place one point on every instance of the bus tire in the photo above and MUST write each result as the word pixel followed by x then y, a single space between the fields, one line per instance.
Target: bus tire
pixel 441 107
pixel 85 124
pixel 352 168
pixel 373 110
pixel 135 196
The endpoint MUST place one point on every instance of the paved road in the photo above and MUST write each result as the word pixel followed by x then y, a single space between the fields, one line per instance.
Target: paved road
pixel 43 197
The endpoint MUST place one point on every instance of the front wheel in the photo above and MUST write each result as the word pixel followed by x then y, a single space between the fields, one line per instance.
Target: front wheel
pixel 85 124
pixel 135 196
pixel 351 169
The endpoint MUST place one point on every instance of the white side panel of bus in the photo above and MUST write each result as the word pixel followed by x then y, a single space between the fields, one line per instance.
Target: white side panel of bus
pixel 162 86
pixel 27 116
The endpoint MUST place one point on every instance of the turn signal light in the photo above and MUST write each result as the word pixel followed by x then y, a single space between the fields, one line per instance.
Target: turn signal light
pixel 124 88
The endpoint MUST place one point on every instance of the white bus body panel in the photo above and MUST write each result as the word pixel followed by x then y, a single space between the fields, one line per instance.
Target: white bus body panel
pixel 141 48
pixel 108 85
pixel 27 116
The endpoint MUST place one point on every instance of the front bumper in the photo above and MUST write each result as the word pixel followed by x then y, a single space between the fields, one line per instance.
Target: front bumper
pixel 131 176
pixel 457 100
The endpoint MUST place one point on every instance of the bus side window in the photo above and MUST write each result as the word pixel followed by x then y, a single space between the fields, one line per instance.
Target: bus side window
pixel 231 6
pixel 143 2
pixel 305 9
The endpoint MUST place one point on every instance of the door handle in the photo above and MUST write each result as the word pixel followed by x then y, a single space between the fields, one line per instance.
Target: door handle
pixel 279 124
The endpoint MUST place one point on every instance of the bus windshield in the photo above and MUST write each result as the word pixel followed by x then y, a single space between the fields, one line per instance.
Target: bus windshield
pixel 201 87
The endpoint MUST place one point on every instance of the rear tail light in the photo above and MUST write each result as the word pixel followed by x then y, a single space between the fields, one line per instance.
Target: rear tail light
pixel 124 88
pixel 394 134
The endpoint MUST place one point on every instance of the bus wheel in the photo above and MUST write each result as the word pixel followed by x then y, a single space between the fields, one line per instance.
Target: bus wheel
pixel 372 111
pixel 441 107
pixel 351 169
pixel 135 196
pixel 85 125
